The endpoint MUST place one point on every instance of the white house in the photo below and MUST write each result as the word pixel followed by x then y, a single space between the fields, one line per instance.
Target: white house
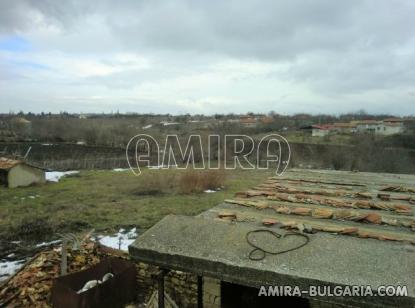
pixel 386 127
pixel 318 130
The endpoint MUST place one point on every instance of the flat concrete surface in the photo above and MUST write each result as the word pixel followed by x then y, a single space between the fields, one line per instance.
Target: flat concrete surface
pixel 219 249
pixel 365 178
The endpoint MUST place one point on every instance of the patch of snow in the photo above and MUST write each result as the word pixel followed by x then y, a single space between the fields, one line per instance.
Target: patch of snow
pixel 147 126
pixel 54 176
pixel 120 169
pixel 169 123
pixel 8 268
pixel 121 240
pixel 47 144
pixel 212 190
pixel 162 167
pixel 43 244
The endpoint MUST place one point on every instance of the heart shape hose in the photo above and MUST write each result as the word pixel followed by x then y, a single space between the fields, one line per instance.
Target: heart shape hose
pixel 263 252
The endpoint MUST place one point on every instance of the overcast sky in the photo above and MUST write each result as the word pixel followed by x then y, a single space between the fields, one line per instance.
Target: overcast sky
pixel 316 56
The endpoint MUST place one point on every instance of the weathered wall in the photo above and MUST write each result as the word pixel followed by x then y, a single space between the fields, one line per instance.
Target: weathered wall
pixel 211 292
pixel 180 286
pixel 24 175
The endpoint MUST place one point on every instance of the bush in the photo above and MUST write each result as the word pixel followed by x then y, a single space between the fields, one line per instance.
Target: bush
pixel 159 182
pixel 156 183
pixel 195 181
pixel 32 229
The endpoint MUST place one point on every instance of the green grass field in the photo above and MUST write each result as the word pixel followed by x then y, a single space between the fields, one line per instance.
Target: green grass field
pixel 106 201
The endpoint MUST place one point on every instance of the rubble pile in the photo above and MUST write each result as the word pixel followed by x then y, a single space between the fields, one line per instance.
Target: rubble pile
pixel 365 210
pixel 31 285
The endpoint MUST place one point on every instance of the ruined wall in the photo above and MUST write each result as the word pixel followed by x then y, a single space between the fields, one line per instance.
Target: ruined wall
pixel 23 175
pixel 211 292
pixel 180 286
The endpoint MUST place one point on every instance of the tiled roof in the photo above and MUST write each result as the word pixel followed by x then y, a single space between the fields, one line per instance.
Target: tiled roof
pixel 323 126
pixel 366 122
pixel 346 125
pixel 247 120
pixel 374 209
pixel 393 120
pixel 7 163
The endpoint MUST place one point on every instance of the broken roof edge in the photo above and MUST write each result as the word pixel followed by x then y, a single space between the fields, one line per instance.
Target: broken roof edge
pixel 7 163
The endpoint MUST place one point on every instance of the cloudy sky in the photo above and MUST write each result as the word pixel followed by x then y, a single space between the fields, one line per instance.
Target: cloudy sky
pixel 215 56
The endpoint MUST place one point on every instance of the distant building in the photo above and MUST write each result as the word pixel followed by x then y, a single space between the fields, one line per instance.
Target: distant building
pixel 318 130
pixel 394 120
pixel 16 173
pixel 366 126
pixel 344 128
pixel 248 121
pixel 386 127
pixel 390 129
pixel 393 126
pixel 267 120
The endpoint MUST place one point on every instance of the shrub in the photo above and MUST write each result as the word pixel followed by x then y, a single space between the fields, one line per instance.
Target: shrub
pixel 155 183
pixel 195 181
pixel 32 229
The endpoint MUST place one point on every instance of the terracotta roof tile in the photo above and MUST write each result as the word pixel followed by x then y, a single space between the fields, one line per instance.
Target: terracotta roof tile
pixel 365 210
pixel 7 163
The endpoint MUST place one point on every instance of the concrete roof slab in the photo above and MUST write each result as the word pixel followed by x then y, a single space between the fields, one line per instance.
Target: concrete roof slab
pixel 219 249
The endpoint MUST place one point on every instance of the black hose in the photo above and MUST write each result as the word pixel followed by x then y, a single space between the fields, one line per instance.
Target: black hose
pixel 263 252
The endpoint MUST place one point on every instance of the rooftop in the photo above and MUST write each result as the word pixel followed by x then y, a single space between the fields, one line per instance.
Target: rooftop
pixel 346 125
pixel 7 163
pixel 393 120
pixel 360 225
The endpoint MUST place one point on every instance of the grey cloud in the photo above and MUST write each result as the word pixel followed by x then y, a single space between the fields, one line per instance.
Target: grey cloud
pixel 354 72
pixel 258 29
pixel 331 48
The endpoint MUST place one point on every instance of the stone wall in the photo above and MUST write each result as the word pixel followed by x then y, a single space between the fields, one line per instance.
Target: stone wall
pixel 211 293
pixel 180 286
